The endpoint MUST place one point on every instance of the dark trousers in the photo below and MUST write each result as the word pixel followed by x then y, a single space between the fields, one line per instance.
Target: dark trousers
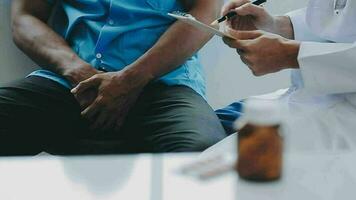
pixel 37 114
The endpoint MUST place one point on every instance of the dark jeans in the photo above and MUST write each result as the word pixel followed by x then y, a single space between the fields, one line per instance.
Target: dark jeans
pixel 37 114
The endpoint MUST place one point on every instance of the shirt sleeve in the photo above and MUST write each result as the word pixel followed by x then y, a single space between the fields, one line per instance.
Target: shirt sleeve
pixel 328 68
pixel 300 27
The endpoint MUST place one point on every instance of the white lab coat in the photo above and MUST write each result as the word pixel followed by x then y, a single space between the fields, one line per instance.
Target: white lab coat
pixel 321 101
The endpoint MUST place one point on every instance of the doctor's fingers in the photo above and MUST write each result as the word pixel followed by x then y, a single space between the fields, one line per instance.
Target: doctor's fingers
pixel 251 10
pixel 249 60
pixel 246 61
pixel 236 44
pixel 240 52
pixel 244 35
pixel 233 5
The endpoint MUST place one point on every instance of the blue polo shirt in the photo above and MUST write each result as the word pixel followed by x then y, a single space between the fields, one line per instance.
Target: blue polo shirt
pixel 112 34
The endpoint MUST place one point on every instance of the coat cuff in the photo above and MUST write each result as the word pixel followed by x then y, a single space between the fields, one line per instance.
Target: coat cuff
pixel 328 68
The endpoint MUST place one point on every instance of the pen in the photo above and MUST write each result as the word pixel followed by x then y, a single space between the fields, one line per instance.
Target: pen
pixel 231 14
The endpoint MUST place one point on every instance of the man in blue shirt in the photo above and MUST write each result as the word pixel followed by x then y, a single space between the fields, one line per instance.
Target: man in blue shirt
pixel 117 76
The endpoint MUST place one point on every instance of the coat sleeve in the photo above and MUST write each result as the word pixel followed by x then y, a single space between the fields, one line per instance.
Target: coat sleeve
pixel 300 27
pixel 328 68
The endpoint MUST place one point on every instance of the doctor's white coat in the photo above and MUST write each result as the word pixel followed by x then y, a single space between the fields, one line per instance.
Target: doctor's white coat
pixel 321 102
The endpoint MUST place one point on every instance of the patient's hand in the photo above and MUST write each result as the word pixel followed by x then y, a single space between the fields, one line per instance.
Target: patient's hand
pixel 77 72
pixel 264 52
pixel 116 93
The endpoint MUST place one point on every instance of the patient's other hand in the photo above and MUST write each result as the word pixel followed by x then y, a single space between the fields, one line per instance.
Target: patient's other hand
pixel 77 72
pixel 116 93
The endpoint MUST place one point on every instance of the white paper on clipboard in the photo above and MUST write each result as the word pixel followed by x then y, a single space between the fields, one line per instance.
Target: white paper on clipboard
pixel 204 27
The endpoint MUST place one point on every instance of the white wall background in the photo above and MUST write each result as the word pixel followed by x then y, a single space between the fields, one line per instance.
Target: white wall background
pixel 228 78
pixel 13 64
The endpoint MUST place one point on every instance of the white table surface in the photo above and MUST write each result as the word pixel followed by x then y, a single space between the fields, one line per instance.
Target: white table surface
pixel 314 177
pixel 57 178
pixel 325 176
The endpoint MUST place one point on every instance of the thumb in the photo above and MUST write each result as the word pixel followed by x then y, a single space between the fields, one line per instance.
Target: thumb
pixel 244 35
pixel 84 85
pixel 236 44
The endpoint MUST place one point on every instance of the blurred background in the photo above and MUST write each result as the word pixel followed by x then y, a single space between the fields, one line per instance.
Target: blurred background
pixel 228 79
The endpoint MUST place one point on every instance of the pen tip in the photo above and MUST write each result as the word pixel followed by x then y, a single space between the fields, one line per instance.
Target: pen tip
pixel 215 23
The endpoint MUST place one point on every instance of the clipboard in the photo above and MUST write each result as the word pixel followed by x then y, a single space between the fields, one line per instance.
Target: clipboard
pixel 189 19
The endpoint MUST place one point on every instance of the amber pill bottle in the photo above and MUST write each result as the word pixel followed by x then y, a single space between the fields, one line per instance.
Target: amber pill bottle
pixel 260 143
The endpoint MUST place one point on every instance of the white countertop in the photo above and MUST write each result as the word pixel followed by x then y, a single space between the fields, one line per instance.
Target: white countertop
pixel 326 176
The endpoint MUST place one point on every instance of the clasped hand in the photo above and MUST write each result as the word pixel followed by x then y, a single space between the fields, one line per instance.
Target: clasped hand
pixel 115 94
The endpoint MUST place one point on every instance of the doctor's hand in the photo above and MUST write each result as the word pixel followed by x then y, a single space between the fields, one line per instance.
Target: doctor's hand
pixel 253 17
pixel 116 93
pixel 250 17
pixel 263 52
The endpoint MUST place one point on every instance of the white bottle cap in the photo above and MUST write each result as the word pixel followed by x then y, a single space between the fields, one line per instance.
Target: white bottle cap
pixel 260 112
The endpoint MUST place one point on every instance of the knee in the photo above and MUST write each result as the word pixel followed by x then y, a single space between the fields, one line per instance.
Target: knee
pixel 200 142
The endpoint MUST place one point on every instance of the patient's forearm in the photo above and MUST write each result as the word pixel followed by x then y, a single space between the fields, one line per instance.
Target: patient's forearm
pixel 42 44
pixel 36 39
pixel 178 44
